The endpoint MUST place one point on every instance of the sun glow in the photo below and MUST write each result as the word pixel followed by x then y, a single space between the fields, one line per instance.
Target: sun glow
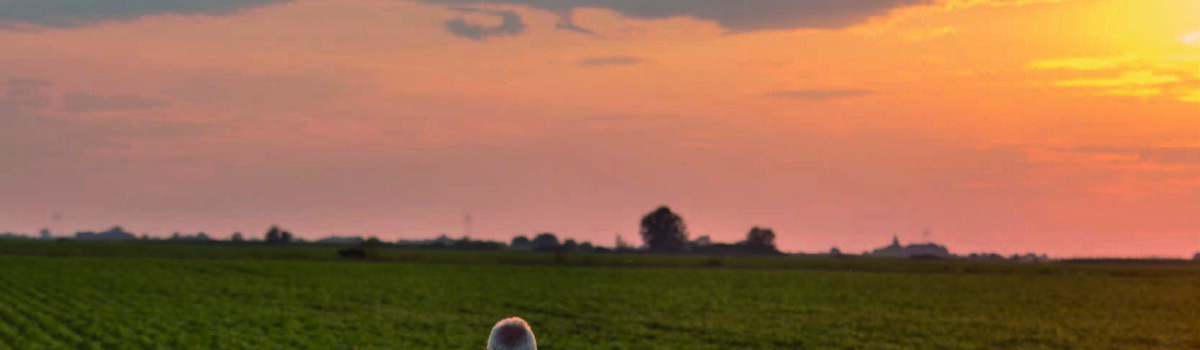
pixel 1133 25
pixel 1192 38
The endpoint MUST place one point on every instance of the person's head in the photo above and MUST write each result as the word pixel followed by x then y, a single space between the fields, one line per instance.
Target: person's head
pixel 511 334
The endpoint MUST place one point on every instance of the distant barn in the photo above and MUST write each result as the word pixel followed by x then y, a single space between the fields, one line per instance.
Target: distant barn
pixel 896 250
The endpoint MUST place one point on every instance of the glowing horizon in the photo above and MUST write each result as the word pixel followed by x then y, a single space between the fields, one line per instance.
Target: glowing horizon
pixel 1066 127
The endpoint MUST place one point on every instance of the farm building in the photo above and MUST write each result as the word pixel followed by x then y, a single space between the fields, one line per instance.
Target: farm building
pixel 896 250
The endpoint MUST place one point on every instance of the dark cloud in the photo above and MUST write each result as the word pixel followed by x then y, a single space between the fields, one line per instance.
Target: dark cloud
pixel 511 23
pixel 85 103
pixel 736 16
pixel 821 94
pixel 611 61
pixel 28 14
pixel 566 21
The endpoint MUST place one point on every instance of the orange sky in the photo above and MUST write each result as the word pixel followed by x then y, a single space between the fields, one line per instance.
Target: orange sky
pixel 1067 127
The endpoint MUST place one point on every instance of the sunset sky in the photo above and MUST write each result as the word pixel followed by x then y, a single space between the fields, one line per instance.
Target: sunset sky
pixel 1068 127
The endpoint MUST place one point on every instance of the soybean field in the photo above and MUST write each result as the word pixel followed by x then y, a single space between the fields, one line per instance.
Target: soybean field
pixel 75 301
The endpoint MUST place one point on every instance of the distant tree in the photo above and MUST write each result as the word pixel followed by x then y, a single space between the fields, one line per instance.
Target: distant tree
pixel 371 247
pixel 545 241
pixel 570 245
pixel 835 252
pixel 664 231
pixel 585 246
pixel 176 236
pixel 237 237
pixel 622 244
pixel 1197 257
pixel 274 235
pixel 761 240
pixel 285 237
pixel 520 241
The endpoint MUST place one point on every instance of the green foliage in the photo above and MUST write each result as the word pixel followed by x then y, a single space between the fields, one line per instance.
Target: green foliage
pixel 295 297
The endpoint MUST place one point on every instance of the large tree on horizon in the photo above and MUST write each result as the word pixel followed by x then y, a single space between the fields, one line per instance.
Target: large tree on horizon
pixel 664 231
pixel 275 235
pixel 761 240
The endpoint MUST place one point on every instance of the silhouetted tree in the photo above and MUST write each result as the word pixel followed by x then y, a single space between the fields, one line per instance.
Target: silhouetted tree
pixel 664 231
pixel 278 236
pixel 371 247
pixel 545 241
pixel 569 245
pixel 519 242
pixel 761 240
pixel 622 244
pixel 237 237
pixel 835 252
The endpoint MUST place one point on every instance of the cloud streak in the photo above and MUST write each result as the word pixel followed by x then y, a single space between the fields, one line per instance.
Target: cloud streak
pixel 36 14
pixel 1157 155
pixel 611 61
pixel 735 16
pixel 1127 75
pixel 88 103
pixel 26 93
pixel 511 23
pixel 820 94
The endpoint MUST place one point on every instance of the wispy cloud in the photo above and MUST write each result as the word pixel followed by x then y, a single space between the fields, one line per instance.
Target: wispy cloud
pixel 736 16
pixel 1084 62
pixel 1127 75
pixel 34 14
pixel 820 94
pixel 87 103
pixel 1126 79
pixel 566 21
pixel 997 3
pixel 511 23
pixel 929 34
pixel 1157 155
pixel 26 93
pixel 611 61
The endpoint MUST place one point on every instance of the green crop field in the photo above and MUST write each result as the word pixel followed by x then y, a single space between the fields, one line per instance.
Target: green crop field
pixel 142 297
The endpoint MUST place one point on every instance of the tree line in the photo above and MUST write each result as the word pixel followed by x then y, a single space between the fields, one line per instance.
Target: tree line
pixel 661 231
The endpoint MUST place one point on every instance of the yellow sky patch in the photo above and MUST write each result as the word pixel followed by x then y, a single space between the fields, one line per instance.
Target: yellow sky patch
pixel 1127 79
pixel 1192 38
pixel 1192 96
pixel 1085 63
pixel 929 34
